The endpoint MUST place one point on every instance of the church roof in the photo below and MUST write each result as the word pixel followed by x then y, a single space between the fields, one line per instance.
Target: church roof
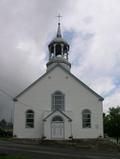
pixel 58 38
pixel 58 65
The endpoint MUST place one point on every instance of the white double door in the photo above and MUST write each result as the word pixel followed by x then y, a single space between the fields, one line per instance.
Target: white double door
pixel 57 130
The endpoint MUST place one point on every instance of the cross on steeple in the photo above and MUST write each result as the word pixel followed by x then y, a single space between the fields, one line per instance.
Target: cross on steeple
pixel 59 16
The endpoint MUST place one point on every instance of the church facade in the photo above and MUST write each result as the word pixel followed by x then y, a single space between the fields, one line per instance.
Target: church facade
pixel 58 105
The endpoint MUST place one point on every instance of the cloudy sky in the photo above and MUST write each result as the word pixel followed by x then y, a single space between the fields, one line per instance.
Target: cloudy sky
pixel 92 28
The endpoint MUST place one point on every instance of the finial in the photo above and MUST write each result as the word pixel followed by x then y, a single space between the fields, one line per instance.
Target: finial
pixel 59 16
pixel 59 30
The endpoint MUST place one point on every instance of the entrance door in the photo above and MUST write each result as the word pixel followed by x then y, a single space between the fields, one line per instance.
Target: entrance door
pixel 57 128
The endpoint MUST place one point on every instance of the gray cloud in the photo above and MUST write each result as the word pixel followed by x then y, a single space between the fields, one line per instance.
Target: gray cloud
pixel 26 27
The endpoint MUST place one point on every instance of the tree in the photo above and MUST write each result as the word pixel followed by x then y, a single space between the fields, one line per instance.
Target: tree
pixel 3 123
pixel 112 123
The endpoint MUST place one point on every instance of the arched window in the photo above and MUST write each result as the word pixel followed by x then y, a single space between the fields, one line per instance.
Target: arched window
pixel 57 119
pixel 29 119
pixel 86 118
pixel 58 101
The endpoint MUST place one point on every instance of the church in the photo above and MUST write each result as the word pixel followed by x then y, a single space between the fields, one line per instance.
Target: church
pixel 58 106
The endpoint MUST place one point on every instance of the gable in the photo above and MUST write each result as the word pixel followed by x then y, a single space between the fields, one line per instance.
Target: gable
pixel 48 73
pixel 60 113
pixel 84 85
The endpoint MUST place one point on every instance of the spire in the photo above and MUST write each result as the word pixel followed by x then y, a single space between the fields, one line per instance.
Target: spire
pixel 59 31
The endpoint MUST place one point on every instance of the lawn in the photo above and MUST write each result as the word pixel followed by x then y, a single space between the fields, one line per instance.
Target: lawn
pixel 12 157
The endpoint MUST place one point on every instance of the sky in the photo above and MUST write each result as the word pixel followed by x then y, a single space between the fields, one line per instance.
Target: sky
pixel 91 27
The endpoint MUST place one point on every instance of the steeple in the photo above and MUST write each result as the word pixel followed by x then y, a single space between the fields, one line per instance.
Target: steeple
pixel 58 50
pixel 59 31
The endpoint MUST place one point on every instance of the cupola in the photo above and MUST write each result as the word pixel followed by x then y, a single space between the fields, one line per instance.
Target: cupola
pixel 58 51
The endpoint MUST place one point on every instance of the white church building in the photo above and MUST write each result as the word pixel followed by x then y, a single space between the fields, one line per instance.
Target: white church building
pixel 58 105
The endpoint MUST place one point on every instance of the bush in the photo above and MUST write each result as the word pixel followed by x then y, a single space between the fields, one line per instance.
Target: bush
pixel 4 133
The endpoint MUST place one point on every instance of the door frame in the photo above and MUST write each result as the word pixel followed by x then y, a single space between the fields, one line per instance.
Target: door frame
pixel 63 128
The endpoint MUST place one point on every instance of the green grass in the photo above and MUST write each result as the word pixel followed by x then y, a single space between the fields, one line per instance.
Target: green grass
pixel 12 157
pixel 5 138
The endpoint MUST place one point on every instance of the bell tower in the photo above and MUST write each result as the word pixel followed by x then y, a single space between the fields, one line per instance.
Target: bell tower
pixel 58 51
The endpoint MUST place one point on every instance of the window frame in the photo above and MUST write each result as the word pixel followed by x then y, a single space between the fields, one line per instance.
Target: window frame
pixel 29 115
pixel 58 103
pixel 86 118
